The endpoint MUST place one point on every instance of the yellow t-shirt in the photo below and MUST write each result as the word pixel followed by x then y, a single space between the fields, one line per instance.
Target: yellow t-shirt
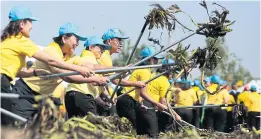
pixel 158 88
pixel 138 75
pixel 186 98
pixel 47 86
pixel 106 58
pixel 231 101
pixel 58 91
pixel 217 98
pixel 13 53
pixel 244 97
pixel 254 99
pixel 198 92
pixel 86 88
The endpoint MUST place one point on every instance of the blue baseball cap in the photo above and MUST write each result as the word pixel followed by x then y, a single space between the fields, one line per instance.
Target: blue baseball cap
pixel 197 82
pixel 221 82
pixel 178 80
pixel 20 12
pixel 253 88
pixel 215 79
pixel 207 79
pixel 167 61
pixel 93 40
pixel 149 51
pixel 113 33
pixel 71 28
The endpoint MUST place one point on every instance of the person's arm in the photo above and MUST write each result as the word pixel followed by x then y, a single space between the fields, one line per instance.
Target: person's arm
pixel 24 73
pixel 80 79
pixel 95 66
pixel 144 95
pixel 52 61
pixel 128 83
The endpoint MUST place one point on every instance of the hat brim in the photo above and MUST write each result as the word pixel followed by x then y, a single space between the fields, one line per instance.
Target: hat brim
pixel 106 47
pixel 121 37
pixel 81 38
pixel 159 57
pixel 33 18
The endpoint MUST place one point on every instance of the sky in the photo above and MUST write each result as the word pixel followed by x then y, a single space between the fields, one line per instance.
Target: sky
pixel 95 17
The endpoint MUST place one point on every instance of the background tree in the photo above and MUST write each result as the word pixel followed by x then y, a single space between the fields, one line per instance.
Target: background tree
pixel 229 66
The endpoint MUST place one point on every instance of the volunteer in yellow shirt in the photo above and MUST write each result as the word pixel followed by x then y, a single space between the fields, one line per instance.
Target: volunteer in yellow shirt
pixel 80 98
pixel 243 98
pixel 62 48
pixel 126 104
pixel 15 46
pixel 186 97
pixel 230 118
pixel 254 108
pixel 215 118
pixel 150 122
pixel 114 38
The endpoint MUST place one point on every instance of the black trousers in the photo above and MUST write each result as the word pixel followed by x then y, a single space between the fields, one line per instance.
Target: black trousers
pixel 6 103
pixel 254 121
pixel 106 111
pixel 126 107
pixel 186 114
pixel 229 122
pixel 79 104
pixel 215 119
pixel 196 116
pixel 147 120
pixel 150 122
pixel 24 107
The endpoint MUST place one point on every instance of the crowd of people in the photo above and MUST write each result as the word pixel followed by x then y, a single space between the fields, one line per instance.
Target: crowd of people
pixel 89 92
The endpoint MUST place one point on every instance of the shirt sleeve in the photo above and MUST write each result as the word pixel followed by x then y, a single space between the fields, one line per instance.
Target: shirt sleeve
pixel 163 89
pixel 144 75
pixel 28 48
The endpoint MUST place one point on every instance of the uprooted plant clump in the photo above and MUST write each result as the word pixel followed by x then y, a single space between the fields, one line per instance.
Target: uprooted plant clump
pixel 50 126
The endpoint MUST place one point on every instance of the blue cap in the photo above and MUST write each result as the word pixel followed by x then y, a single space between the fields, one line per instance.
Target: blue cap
pixel 183 80
pixel 93 40
pixel 196 82
pixel 221 82
pixel 167 61
pixel 149 51
pixel 178 80
pixel 113 33
pixel 207 79
pixel 215 79
pixel 253 88
pixel 192 83
pixel 71 28
pixel 19 13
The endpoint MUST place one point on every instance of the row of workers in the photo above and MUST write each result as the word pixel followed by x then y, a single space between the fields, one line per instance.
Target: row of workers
pixel 82 93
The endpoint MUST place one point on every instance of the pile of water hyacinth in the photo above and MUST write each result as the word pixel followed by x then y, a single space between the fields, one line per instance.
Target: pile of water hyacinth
pixel 47 124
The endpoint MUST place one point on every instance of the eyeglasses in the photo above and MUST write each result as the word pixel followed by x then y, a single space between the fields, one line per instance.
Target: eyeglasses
pixel 119 41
